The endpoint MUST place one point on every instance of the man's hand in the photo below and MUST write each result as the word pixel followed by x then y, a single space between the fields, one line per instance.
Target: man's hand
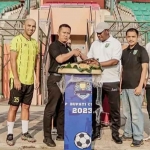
pixel 17 84
pixel 93 61
pixel 37 84
pixel 120 90
pixel 137 90
pixel 76 52
pixel 83 56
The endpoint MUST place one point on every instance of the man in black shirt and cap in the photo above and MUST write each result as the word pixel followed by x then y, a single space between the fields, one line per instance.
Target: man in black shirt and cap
pixel 59 53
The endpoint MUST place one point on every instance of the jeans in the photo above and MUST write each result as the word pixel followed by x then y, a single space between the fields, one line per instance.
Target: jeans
pixel 132 110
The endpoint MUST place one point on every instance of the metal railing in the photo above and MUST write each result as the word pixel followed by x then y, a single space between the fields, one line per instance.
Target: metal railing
pixel 22 14
pixel 90 26
pixel 118 16
pixel 44 60
pixel 119 27
pixel 1 65
pixel 88 36
pixel 120 31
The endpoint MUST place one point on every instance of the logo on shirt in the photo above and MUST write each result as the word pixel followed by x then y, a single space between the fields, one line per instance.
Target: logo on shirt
pixel 107 44
pixel 114 89
pixel 134 52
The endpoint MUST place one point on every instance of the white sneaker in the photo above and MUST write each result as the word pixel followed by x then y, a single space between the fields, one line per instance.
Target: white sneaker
pixel 146 139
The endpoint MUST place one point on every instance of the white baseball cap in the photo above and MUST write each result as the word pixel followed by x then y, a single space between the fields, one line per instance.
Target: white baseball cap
pixel 101 27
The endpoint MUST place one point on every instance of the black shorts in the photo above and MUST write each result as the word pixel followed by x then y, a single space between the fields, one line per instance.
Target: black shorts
pixel 20 96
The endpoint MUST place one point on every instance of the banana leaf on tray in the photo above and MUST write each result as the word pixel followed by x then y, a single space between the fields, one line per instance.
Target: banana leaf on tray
pixel 81 66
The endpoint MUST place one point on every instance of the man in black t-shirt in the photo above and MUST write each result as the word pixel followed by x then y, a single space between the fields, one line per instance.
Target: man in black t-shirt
pixel 75 60
pixel 59 53
pixel 134 69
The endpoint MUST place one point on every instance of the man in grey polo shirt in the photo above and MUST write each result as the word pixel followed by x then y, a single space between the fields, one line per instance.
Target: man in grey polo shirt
pixel 107 50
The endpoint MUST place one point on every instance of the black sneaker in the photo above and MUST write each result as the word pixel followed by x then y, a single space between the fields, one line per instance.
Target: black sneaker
pixel 117 139
pixel 125 138
pixel 27 137
pixel 49 142
pixel 96 137
pixel 59 138
pixel 10 140
pixel 137 143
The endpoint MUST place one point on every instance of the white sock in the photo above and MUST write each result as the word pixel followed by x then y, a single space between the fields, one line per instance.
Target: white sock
pixel 10 126
pixel 25 125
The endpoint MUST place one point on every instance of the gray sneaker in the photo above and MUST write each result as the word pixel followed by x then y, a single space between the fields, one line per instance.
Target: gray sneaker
pixel 125 138
pixel 136 143
pixel 28 137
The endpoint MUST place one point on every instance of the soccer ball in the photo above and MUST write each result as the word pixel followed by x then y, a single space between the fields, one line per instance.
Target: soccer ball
pixel 82 140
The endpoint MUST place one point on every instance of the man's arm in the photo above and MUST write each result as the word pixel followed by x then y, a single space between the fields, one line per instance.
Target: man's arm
pixel 89 54
pixel 55 52
pixel 13 63
pixel 138 90
pixel 143 74
pixel 108 63
pixel 83 56
pixel 144 59
pixel 64 57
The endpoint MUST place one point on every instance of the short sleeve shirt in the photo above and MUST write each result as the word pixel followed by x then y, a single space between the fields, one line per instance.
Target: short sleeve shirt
pixel 27 51
pixel 104 51
pixel 55 49
pixel 132 60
